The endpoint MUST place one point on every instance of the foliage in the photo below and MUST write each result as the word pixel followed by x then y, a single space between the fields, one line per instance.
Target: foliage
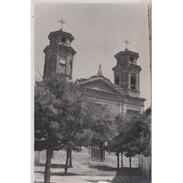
pixel 58 117
pixel 133 137
pixel 58 111
pixel 100 127
pixel 65 118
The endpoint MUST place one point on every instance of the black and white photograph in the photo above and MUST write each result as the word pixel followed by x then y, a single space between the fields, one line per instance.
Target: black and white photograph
pixel 92 92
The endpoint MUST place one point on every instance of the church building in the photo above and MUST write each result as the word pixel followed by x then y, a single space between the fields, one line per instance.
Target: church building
pixel 122 96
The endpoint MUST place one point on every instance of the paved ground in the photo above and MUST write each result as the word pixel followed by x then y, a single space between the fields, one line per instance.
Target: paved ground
pixel 83 170
pixel 78 179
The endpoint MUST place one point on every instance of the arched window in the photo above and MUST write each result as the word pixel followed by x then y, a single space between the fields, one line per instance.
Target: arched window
pixel 131 59
pixel 63 40
pixel 61 68
pixel 133 82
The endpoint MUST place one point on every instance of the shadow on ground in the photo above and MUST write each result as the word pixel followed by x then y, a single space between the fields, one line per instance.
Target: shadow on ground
pixel 53 165
pixel 104 168
pixel 123 175
pixel 129 179
pixel 127 175
pixel 99 180
pixel 61 173
pixel 128 171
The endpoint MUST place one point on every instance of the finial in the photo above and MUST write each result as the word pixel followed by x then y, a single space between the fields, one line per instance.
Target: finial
pixel 61 23
pixel 126 42
pixel 100 70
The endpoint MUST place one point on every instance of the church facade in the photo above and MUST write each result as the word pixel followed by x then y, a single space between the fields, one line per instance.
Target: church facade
pixel 122 96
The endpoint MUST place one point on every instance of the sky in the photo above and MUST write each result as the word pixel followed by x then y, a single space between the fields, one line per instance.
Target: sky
pixel 99 31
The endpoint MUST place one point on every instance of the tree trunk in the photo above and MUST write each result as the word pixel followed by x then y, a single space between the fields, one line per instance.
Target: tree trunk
pixel 67 160
pixel 49 153
pixel 70 158
pixel 102 152
pixel 139 161
pixel 122 160
pixel 117 161
pixel 130 162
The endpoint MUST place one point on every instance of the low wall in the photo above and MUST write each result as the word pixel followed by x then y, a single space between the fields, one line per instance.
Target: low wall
pixel 145 165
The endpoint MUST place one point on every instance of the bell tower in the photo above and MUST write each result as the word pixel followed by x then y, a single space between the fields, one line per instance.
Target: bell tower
pixel 59 54
pixel 127 72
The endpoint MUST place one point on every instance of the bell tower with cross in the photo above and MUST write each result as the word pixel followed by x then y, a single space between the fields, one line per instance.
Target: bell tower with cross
pixel 126 71
pixel 59 54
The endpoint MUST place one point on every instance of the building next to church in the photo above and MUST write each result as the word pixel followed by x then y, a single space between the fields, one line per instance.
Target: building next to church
pixel 122 96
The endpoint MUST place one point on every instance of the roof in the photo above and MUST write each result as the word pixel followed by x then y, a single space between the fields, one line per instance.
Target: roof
pixel 98 78
pixel 94 77
pixel 126 52
pixel 114 88
pixel 61 32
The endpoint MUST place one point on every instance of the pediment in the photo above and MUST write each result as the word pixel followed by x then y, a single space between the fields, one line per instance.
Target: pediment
pixel 100 84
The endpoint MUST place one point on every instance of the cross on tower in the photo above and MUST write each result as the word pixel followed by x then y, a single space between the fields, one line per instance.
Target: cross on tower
pixel 100 70
pixel 126 42
pixel 61 23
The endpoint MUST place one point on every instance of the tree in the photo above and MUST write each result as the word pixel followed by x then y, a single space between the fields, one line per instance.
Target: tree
pixel 45 126
pixel 58 117
pixel 100 127
pixel 115 143
pixel 64 117
pixel 131 138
